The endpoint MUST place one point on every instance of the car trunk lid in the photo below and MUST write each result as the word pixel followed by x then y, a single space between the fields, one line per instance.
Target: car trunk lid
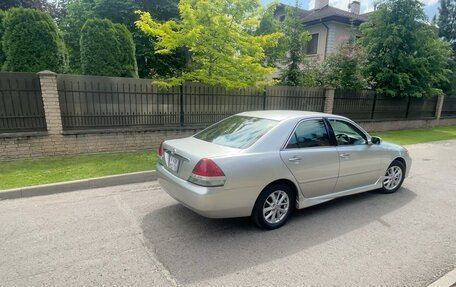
pixel 181 155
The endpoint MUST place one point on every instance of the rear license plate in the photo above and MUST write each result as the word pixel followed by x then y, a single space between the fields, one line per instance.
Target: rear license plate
pixel 173 163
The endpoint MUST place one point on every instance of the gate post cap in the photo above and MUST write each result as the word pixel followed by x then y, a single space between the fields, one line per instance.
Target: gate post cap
pixel 46 73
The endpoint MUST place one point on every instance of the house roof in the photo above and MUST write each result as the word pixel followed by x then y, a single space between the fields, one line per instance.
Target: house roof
pixel 328 13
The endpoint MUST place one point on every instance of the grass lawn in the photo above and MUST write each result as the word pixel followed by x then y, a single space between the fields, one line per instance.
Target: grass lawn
pixel 418 135
pixel 63 168
pixel 19 173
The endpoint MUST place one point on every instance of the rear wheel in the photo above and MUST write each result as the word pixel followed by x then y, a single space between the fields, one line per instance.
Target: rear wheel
pixel 273 207
pixel 394 177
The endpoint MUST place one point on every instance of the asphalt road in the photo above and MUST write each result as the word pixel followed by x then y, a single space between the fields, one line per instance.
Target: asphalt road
pixel 137 235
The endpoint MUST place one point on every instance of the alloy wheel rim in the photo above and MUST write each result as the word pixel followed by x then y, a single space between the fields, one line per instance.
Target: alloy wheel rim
pixel 393 178
pixel 276 207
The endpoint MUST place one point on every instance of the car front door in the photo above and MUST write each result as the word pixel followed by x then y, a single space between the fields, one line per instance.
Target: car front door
pixel 312 158
pixel 360 164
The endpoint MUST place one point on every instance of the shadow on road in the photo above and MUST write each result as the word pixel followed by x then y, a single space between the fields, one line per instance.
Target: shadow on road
pixel 195 248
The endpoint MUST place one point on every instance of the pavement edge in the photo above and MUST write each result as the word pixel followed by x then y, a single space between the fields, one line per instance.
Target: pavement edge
pixel 447 280
pixel 68 186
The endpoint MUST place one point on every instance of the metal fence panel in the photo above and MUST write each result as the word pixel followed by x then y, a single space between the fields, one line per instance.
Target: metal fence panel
pixel 21 104
pixel 92 102
pixel 449 107
pixel 295 98
pixel 388 108
pixel 357 105
pixel 422 108
pixel 203 104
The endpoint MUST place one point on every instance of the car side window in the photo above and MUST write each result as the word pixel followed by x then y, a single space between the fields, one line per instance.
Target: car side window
pixel 309 133
pixel 347 134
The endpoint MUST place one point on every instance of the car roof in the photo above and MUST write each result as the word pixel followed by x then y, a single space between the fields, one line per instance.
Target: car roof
pixel 281 115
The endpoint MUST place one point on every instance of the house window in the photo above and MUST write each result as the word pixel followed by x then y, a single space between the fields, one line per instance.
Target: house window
pixel 282 18
pixel 312 46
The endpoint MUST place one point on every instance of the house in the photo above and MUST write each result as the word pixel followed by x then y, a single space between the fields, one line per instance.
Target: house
pixel 328 26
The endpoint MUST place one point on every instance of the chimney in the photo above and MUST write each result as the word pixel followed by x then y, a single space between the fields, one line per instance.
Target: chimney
pixel 321 3
pixel 355 7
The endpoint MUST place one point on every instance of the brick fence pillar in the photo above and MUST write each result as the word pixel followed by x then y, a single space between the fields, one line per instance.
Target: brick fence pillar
pixel 48 82
pixel 439 106
pixel 329 100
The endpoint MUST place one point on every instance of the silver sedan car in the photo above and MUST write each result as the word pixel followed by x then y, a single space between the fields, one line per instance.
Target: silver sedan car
pixel 264 164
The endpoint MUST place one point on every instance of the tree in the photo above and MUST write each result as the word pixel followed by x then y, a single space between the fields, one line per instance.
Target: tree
pixel 447 22
pixel 54 7
pixel 405 56
pixel 447 30
pixel 295 42
pixel 32 42
pixel 78 12
pixel 270 24
pixel 127 59
pixel 121 11
pixel 37 4
pixel 107 49
pixel 2 54
pixel 219 36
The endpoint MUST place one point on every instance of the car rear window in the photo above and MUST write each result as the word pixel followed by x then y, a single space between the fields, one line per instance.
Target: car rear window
pixel 237 131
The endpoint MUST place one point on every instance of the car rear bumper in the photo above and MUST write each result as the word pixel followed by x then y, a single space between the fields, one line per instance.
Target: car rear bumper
pixel 212 202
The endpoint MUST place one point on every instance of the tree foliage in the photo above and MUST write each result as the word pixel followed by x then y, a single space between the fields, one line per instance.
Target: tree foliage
pixel 447 30
pixel 405 56
pixel 37 4
pixel 220 37
pixel 55 8
pixel 121 11
pixel 295 42
pixel 447 22
pixel 2 54
pixel 270 24
pixel 345 68
pixel 78 12
pixel 107 49
pixel 32 42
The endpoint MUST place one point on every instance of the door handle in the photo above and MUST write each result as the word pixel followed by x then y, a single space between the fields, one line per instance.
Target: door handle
pixel 294 159
pixel 344 155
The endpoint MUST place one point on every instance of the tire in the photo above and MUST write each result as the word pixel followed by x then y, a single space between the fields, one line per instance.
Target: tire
pixel 394 177
pixel 276 216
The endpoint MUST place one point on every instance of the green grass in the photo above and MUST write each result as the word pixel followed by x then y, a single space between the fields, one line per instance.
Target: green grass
pixel 418 135
pixel 19 173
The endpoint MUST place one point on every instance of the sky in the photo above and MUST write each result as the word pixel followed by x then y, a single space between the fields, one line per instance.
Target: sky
pixel 431 6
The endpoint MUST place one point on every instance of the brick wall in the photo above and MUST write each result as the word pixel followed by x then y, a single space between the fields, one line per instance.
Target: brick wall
pixel 58 144
pixel 47 145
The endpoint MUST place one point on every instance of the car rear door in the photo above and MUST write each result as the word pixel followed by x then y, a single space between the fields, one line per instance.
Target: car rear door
pixel 312 158
pixel 360 163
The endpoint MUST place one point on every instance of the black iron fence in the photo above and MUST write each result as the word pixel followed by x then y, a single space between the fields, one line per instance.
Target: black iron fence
pixel 92 102
pixel 368 105
pixel 449 107
pixel 105 102
pixel 21 104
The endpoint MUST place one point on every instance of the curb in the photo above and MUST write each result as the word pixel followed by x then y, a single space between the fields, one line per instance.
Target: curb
pixel 68 186
pixel 446 280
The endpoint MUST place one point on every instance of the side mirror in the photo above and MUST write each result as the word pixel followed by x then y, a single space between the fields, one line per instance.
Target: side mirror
pixel 376 140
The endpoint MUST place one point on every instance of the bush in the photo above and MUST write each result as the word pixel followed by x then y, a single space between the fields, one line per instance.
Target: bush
pixel 32 42
pixel 127 59
pixel 107 49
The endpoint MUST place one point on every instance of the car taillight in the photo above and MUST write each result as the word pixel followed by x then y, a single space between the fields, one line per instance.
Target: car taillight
pixel 207 173
pixel 160 150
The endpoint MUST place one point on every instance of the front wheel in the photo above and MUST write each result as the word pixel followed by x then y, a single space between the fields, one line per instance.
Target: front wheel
pixel 394 177
pixel 273 206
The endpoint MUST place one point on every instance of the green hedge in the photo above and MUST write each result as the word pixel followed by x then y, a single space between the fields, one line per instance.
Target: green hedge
pixel 32 42
pixel 107 49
